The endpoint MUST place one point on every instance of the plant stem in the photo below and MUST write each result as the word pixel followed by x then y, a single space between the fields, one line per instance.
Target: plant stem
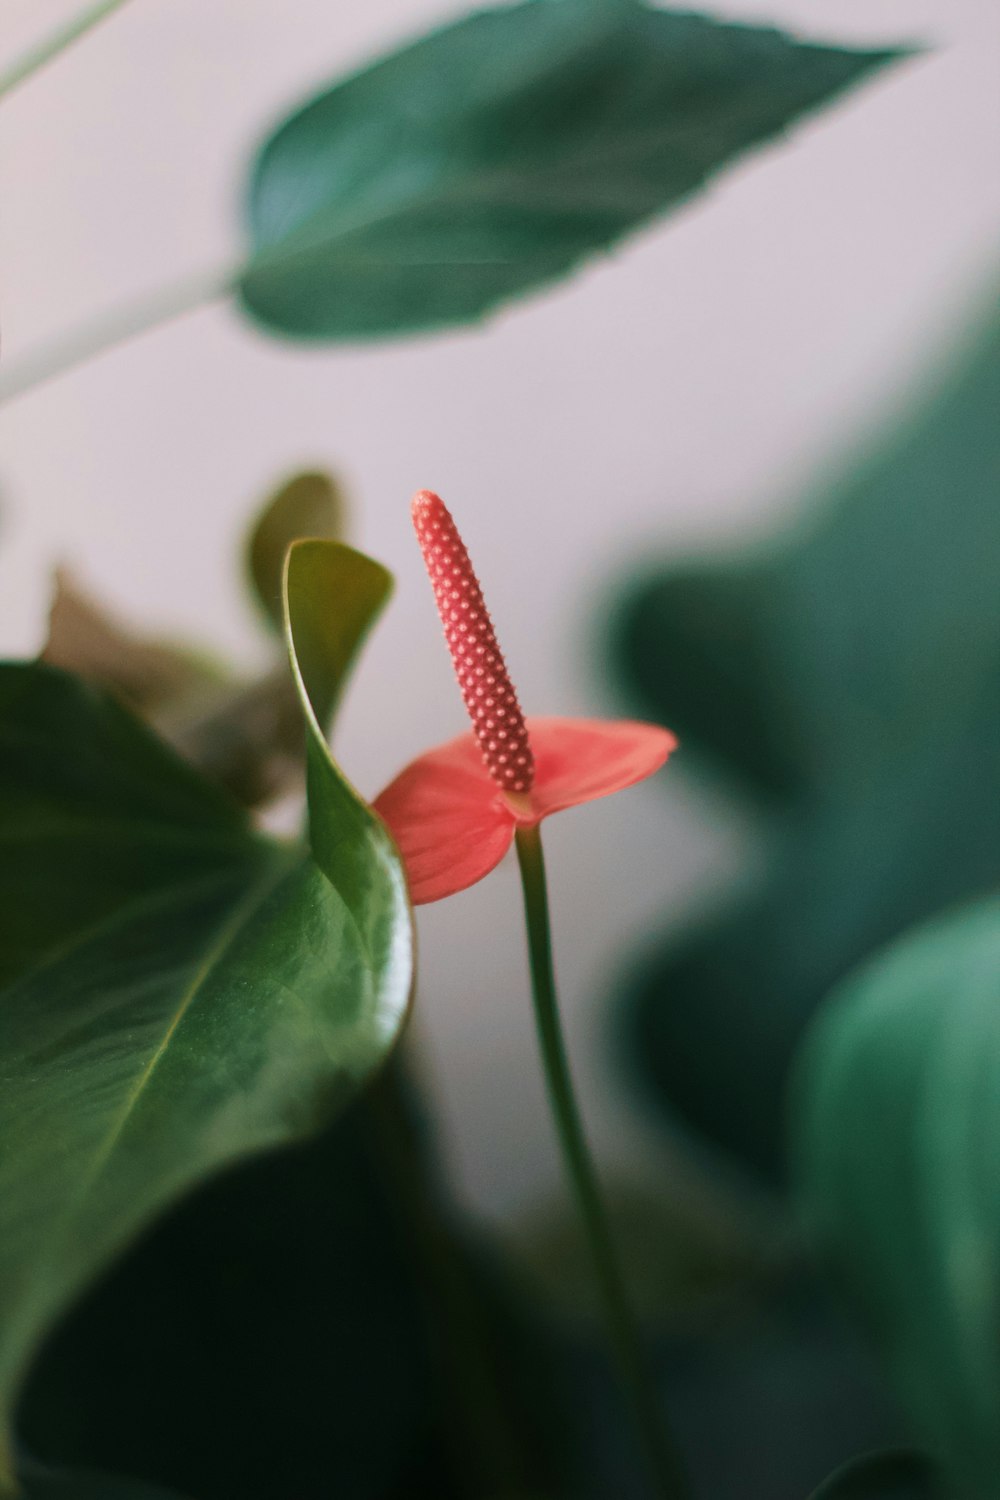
pixel 9 1488
pixel 57 41
pixel 71 349
pixel 661 1455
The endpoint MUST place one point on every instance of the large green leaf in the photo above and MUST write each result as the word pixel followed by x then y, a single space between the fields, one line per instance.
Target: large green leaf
pixel 177 991
pixel 847 675
pixel 494 155
pixel 896 1135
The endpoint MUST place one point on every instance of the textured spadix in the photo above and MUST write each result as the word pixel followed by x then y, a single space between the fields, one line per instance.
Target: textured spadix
pixel 497 720
pixel 449 811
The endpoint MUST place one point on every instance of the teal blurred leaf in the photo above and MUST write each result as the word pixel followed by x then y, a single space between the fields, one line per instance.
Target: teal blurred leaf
pixel 177 991
pixel 492 156
pixel 895 1130
pixel 846 679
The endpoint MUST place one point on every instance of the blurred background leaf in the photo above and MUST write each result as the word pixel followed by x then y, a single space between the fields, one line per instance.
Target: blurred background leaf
pixel 45 1484
pixel 150 677
pixel 310 504
pixel 894 1475
pixel 845 676
pixel 494 155
pixel 896 1139
pixel 246 736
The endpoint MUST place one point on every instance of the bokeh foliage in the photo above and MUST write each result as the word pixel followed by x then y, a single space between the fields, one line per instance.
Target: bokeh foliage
pixel 845 677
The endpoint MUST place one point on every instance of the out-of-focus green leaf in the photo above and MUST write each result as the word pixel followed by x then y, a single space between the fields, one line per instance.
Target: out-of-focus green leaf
pixel 893 1475
pixel 850 680
pixel 896 1144
pixel 496 154
pixel 244 736
pixel 701 640
pixel 688 1260
pixel 44 1485
pixel 247 738
pixel 151 677
pixel 176 992
pixel 309 505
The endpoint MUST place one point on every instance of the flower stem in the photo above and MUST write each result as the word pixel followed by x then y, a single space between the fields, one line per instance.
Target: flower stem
pixel 57 41
pixel 636 1379
pixel 8 1483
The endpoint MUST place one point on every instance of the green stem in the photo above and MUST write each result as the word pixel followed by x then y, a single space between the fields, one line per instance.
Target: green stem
pixel 9 1488
pixel 663 1461
pixel 71 349
pixel 57 41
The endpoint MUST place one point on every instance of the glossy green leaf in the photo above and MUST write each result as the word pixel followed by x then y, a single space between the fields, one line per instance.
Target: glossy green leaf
pixel 892 1475
pixel 846 676
pixel 177 991
pixel 309 505
pixel 494 155
pixel 896 1136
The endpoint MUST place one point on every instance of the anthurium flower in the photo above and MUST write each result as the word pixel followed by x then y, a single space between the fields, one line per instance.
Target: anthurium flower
pixel 454 811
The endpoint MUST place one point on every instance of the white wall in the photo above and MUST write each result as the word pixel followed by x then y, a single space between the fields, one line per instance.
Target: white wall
pixel 673 396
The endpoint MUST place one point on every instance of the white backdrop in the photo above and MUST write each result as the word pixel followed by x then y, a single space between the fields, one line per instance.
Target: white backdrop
pixel 675 396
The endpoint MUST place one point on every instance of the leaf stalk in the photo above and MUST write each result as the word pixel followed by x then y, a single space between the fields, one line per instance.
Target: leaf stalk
pixel 43 52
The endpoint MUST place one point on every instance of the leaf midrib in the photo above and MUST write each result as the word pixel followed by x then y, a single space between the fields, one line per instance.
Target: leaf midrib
pixel 227 932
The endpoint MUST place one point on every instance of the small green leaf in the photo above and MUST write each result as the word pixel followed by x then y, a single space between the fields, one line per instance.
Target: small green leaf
pixel 896 1136
pixel 310 505
pixel 493 156
pixel 895 1474
pixel 176 991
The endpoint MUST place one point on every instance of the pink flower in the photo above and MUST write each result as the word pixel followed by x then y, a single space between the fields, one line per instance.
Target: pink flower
pixel 454 811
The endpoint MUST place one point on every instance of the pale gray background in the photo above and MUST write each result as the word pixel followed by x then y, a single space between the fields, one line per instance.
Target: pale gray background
pixel 677 395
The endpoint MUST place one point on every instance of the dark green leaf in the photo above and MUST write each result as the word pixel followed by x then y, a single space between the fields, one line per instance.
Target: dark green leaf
pixel 310 505
pixel 178 992
pixel 496 154
pixel 266 1333
pixel 850 675
pixel 697 646
pixel 896 1136
pixel 894 1475
pixel 46 1485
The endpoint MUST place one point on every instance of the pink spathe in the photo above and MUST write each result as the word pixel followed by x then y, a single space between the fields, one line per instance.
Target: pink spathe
pixel 454 811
